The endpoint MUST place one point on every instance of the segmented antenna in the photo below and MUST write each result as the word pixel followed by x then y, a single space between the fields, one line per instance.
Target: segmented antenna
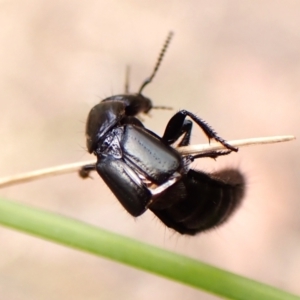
pixel 162 107
pixel 161 55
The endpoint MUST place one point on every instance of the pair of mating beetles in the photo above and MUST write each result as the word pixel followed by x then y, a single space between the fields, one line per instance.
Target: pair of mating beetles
pixel 144 171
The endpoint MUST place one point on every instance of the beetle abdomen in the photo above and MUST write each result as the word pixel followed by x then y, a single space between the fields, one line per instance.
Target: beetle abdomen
pixel 200 201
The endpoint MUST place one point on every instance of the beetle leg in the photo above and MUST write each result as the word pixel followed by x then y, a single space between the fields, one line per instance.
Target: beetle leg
pixel 161 188
pixel 212 154
pixel 84 171
pixel 172 134
pixel 177 122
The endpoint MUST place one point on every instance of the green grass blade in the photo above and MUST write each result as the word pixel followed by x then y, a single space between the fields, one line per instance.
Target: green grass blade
pixel 90 239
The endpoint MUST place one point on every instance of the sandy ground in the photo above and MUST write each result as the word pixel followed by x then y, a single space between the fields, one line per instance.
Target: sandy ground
pixel 234 63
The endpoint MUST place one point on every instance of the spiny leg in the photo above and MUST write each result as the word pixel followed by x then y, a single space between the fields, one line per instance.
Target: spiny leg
pixel 187 160
pixel 85 171
pixel 175 124
pixel 212 154
pixel 173 133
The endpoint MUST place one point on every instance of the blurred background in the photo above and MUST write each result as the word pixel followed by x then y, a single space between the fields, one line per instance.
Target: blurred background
pixel 234 63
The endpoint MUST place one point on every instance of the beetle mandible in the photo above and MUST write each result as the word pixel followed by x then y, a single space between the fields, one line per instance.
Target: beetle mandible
pixel 144 171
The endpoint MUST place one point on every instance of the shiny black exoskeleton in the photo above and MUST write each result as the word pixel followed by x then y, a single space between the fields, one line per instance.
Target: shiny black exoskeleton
pixel 144 171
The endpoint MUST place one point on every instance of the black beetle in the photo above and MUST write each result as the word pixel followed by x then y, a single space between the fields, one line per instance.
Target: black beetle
pixel 144 171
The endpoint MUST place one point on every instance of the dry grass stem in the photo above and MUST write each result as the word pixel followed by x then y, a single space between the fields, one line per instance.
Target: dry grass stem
pixel 192 149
